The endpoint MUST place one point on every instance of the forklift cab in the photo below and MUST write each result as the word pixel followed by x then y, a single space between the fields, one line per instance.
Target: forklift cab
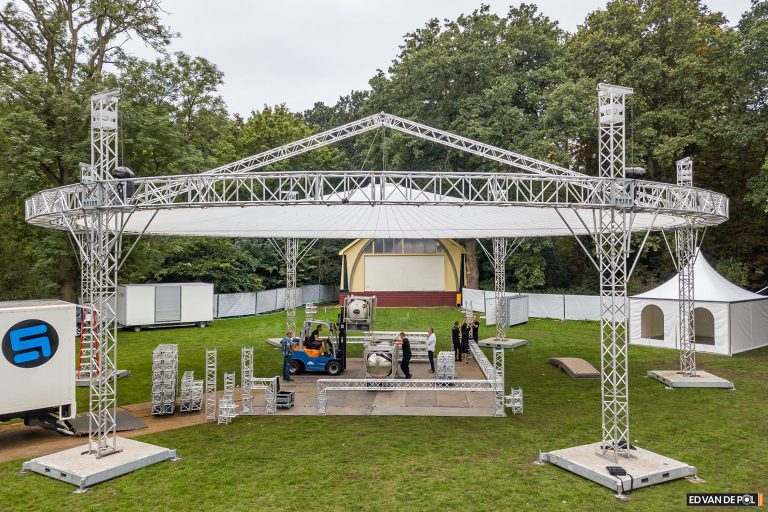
pixel 333 361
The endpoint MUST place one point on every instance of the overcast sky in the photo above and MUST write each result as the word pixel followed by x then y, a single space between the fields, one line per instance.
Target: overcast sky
pixel 301 51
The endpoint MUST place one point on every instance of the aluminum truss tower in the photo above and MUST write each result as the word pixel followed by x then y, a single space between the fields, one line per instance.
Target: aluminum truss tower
pixel 246 374
pixel 99 246
pixel 612 244
pixel 227 406
pixel 210 385
pixel 685 252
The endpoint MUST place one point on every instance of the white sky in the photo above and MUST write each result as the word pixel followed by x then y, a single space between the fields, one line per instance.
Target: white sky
pixel 301 51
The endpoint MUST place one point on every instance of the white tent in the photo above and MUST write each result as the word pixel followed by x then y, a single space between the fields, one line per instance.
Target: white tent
pixel 728 319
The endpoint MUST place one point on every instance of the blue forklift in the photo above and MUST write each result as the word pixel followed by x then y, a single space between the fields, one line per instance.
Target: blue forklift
pixel 333 361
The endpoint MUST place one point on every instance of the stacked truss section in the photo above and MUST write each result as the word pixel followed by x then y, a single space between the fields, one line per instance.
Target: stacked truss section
pixel 191 392
pixel 210 385
pixel 165 368
pixel 227 406
pixel 246 374
pixel 446 366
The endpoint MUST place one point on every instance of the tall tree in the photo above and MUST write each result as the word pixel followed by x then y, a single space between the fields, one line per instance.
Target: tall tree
pixel 52 57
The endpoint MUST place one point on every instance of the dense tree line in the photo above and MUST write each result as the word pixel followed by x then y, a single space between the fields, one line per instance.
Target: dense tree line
pixel 517 81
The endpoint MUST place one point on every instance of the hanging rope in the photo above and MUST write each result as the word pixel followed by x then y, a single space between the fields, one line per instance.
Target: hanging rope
pixel 375 136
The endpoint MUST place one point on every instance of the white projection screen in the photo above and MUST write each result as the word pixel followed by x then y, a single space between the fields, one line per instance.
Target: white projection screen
pixel 404 273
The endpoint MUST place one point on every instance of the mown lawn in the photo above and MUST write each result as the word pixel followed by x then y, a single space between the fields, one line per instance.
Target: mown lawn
pixel 406 463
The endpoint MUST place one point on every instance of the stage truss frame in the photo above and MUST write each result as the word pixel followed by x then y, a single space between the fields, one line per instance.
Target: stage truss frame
pixel 96 212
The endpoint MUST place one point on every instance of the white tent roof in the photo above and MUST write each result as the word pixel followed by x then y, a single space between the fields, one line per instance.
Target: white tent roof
pixel 445 217
pixel 708 286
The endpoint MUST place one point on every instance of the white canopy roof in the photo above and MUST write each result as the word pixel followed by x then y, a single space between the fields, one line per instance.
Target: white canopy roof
pixel 402 217
pixel 708 286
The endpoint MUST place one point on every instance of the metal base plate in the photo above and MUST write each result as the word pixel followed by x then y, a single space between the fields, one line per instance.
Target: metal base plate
pixel 509 344
pixel 674 379
pixel 647 468
pixel 81 383
pixel 73 467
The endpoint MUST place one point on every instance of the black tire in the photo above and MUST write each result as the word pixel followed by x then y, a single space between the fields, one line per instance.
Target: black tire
pixel 295 367
pixel 136 328
pixel 333 368
pixel 201 324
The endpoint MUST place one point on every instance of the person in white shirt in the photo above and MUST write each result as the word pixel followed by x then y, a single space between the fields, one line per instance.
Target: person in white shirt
pixel 431 343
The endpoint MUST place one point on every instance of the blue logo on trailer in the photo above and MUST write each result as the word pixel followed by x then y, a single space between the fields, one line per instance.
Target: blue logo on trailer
pixel 30 343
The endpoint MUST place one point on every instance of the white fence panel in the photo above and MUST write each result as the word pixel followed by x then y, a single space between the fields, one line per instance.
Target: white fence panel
pixel 236 304
pixel 266 301
pixel 546 305
pixel 582 307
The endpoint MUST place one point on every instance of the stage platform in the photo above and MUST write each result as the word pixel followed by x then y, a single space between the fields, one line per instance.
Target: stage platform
pixel 394 403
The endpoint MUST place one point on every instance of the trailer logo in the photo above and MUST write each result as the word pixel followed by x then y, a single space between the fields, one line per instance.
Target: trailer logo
pixel 30 343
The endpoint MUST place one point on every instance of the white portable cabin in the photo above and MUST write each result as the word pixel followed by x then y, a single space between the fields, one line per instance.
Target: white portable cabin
pixel 728 319
pixel 141 305
pixel 37 365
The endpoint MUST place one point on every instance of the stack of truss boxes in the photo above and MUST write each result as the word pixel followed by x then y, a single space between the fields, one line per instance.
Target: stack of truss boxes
pixel 191 392
pixel 227 405
pixel 165 368
pixel 446 366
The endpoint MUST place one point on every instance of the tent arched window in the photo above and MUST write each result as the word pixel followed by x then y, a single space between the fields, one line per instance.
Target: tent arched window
pixel 652 323
pixel 705 326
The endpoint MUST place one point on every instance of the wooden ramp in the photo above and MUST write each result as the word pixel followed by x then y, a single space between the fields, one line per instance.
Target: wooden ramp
pixel 576 368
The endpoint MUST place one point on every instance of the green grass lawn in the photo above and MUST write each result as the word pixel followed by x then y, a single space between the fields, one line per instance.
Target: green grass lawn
pixel 425 463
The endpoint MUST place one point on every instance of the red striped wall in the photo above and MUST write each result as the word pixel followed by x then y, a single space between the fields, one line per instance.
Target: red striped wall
pixel 408 299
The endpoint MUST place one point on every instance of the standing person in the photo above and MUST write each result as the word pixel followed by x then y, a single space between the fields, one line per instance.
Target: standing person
pixel 464 341
pixel 431 344
pixel 405 359
pixel 287 346
pixel 475 328
pixel 455 338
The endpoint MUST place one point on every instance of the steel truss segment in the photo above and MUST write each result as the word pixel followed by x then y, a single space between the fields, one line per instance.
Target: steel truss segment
pixel 685 256
pixel 402 125
pixel 331 188
pixel 246 374
pixel 210 384
pixel 612 251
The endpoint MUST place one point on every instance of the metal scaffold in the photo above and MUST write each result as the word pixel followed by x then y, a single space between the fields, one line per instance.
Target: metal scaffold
pixel 612 252
pixel 685 252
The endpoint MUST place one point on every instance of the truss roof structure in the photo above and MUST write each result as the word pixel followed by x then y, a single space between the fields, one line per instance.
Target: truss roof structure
pixel 236 201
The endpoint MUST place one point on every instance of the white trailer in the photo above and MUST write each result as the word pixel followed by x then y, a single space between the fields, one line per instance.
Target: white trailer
pixel 171 304
pixel 37 363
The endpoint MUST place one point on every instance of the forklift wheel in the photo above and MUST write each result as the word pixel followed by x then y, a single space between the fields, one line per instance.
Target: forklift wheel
pixel 295 367
pixel 333 368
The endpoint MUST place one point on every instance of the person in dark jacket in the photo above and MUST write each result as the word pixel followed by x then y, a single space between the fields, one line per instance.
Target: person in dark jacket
pixel 405 354
pixel 464 342
pixel 475 328
pixel 455 338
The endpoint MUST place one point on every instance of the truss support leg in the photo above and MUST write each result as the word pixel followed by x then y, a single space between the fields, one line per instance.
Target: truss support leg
pixel 291 261
pixel 499 269
pixel 498 366
pixel 246 373
pixel 612 258
pixel 686 253
pixel 99 259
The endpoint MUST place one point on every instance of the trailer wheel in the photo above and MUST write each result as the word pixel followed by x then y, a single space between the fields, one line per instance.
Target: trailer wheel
pixel 333 368
pixel 295 367
pixel 136 328
pixel 201 324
